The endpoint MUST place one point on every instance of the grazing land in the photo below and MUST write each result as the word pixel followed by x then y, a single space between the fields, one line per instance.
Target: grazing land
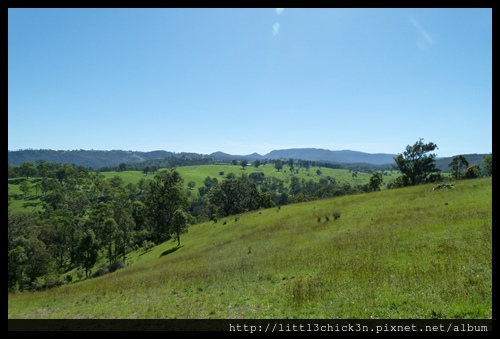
pixel 199 173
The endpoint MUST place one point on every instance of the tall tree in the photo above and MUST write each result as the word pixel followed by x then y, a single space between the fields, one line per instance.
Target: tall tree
pixel 98 213
pixel 20 226
pixel 55 233
pixel 27 169
pixel 109 234
pixel 458 165
pixel 44 168
pixel 278 164
pixel 487 165
pixel 88 251
pixel 37 258
pixel 244 163
pixel 179 225
pixel 165 195
pixel 123 235
pixel 235 196
pixel 64 171
pixel 376 181
pixel 415 164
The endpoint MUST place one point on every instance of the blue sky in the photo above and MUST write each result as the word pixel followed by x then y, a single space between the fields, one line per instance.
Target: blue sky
pixel 250 80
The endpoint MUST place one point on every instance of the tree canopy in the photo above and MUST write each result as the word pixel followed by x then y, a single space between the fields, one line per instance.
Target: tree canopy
pixel 165 195
pixel 416 165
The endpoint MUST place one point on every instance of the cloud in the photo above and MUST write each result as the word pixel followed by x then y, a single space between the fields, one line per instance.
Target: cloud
pixel 279 10
pixel 276 28
pixel 424 39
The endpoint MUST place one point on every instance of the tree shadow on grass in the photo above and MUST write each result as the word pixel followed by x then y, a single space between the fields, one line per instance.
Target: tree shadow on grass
pixel 172 250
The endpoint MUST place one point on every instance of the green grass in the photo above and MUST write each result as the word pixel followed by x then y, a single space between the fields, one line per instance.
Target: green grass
pixel 20 203
pixel 406 253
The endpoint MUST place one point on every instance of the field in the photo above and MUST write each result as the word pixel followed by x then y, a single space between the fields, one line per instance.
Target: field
pixel 197 174
pixel 408 253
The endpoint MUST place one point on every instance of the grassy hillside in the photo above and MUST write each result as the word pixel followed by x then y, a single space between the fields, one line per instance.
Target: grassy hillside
pixel 405 253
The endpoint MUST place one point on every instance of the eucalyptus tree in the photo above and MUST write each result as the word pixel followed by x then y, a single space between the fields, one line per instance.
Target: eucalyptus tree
pixel 278 164
pixel 108 237
pixel 458 165
pixel 20 228
pixel 27 169
pixel 244 163
pixel 88 251
pixel 487 165
pixel 164 196
pixel 44 168
pixel 64 171
pixel 56 234
pixel 237 195
pixel 123 235
pixel 416 165
pixel 376 181
pixel 180 222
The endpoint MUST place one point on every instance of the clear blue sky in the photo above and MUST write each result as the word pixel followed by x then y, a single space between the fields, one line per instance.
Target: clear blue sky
pixel 250 80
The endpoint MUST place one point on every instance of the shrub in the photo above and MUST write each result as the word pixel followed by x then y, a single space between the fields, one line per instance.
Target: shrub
pixel 336 215
pixel 147 245
pixel 116 266
pixel 100 272
pixel 46 282
pixel 80 273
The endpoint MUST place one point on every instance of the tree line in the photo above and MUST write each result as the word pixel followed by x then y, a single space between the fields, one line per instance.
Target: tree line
pixel 85 217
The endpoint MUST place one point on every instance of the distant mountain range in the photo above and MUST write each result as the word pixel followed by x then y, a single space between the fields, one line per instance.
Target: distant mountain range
pixel 97 159
pixel 315 154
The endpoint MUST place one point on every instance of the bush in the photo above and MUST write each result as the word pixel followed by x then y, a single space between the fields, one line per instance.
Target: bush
pixel 147 245
pixel 80 273
pixel 395 183
pixel 100 272
pixel 116 266
pixel 46 282
pixel 109 269
pixel 336 215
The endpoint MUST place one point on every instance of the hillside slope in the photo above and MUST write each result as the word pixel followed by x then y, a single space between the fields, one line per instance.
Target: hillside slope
pixel 410 253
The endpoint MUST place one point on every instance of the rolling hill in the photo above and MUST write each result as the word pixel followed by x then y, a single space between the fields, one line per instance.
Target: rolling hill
pixel 409 253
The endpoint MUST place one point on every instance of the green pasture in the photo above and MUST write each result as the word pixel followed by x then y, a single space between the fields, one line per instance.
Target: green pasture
pixel 199 173
pixel 18 201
